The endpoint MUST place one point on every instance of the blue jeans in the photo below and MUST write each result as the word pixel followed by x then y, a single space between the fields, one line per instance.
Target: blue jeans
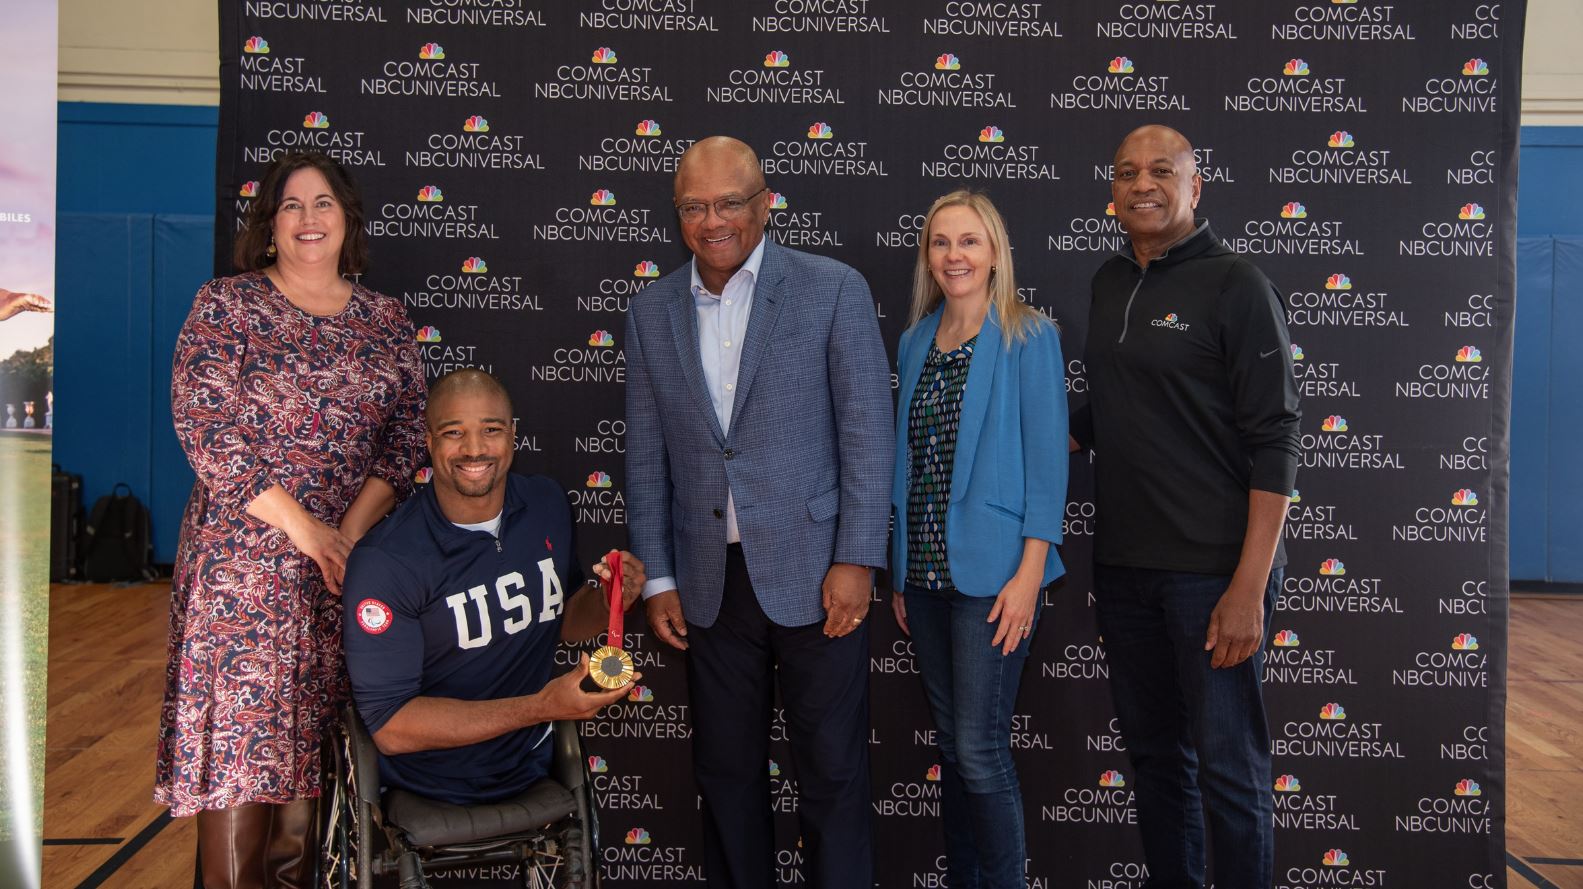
pixel 1197 736
pixel 972 688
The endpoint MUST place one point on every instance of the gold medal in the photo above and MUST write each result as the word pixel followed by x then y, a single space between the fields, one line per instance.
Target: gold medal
pixel 610 667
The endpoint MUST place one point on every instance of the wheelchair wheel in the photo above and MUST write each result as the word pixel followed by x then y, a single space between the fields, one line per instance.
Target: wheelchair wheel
pixel 346 824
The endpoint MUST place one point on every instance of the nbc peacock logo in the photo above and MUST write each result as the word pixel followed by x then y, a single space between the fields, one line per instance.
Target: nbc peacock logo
pixel 1338 281
pixel 1464 642
pixel 1297 352
pixel 1294 210
pixel 1295 68
pixel 1335 858
pixel 428 333
pixel 1332 568
pixel 991 133
pixel 431 51
pixel 315 120
pixel 249 189
pixel 430 194
pixel 1286 639
pixel 602 197
pixel 647 127
pixel 1340 139
pixel 1470 211
pixel 597 765
pixel 1334 423
pixel 641 694
pixel 947 62
pixel 933 774
pixel 820 130
pixel 597 479
pixel 423 476
pixel 1288 784
pixel 1475 68
pixel 777 201
pixel 777 59
pixel 775 769
pixel 1468 787
pixel 601 339
pixel 475 124
pixel 604 55
pixel 1119 65
pixel 1112 778
pixel 1333 711
pixel 638 836
pixel 1464 497
pixel 646 269
pixel 256 46
pixel 474 265
pixel 1297 496
pixel 1469 355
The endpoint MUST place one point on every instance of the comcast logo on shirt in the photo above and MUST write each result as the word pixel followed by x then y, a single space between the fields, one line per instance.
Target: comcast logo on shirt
pixel 1171 322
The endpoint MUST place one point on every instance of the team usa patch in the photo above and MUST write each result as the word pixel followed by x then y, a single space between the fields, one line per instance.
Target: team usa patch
pixel 374 616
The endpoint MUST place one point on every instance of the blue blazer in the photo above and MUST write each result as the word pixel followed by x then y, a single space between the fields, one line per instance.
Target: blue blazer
pixel 805 456
pixel 1008 480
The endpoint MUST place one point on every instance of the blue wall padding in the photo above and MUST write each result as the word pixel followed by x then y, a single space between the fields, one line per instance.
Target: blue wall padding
pixel 1530 433
pixel 183 252
pixel 1565 476
pixel 136 158
pixel 103 339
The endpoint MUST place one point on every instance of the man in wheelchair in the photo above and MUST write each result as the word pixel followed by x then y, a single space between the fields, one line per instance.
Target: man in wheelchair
pixel 454 607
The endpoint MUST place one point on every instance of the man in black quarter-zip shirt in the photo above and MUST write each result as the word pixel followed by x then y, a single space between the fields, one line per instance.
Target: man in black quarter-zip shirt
pixel 1193 420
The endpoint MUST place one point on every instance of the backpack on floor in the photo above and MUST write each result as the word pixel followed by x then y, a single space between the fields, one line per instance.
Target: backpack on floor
pixel 118 544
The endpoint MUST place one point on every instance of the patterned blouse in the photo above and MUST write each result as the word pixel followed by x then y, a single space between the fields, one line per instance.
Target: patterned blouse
pixel 932 422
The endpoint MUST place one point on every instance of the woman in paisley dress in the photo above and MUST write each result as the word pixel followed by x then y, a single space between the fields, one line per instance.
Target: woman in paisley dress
pixel 298 397
pixel 979 494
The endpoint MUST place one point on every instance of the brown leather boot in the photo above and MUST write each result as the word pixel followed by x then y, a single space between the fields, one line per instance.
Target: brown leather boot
pixel 293 845
pixel 231 846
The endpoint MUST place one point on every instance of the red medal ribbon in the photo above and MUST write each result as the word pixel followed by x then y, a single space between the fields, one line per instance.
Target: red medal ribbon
pixel 613 586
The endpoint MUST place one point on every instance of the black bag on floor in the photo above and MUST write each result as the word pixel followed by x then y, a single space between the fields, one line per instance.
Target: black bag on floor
pixel 118 544
pixel 65 525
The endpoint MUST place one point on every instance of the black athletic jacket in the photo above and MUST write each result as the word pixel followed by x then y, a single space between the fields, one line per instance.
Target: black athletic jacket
pixel 1191 404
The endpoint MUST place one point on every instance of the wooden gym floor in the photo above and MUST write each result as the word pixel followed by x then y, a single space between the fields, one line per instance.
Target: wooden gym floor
pixel 107 664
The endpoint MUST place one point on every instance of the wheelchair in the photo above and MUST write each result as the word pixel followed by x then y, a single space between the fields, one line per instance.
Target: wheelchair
pixel 551 829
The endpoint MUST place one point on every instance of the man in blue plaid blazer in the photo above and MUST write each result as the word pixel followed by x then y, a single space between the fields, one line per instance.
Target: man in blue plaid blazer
pixel 758 464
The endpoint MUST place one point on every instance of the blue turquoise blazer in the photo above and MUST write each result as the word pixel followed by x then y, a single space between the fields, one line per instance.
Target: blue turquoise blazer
pixel 1008 480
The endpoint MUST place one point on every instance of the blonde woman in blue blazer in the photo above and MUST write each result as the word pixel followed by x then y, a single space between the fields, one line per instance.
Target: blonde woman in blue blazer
pixel 979 492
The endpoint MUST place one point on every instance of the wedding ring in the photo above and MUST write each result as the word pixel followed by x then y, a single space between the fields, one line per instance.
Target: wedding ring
pixel 1023 628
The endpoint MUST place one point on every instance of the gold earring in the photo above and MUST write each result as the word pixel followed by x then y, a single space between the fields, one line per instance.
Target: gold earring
pixel 270 251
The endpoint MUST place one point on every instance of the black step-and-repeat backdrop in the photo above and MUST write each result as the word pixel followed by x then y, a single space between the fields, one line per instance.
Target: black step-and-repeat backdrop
pixel 516 159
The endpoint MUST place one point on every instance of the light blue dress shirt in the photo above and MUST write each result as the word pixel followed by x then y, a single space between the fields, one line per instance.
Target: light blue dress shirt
pixel 722 326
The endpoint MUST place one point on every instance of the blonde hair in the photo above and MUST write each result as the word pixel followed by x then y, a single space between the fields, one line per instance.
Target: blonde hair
pixel 1017 318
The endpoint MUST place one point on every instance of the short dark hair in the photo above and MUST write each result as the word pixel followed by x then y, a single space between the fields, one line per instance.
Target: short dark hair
pixel 252 242
pixel 466 379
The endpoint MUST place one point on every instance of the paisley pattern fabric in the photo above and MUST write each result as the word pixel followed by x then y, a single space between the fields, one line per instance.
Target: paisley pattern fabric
pixel 932 422
pixel 264 393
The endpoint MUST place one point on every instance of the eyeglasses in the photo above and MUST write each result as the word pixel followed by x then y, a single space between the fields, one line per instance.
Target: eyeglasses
pixel 726 208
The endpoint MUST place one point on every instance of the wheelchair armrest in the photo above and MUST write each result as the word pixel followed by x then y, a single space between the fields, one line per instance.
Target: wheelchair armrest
pixel 365 756
pixel 567 765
